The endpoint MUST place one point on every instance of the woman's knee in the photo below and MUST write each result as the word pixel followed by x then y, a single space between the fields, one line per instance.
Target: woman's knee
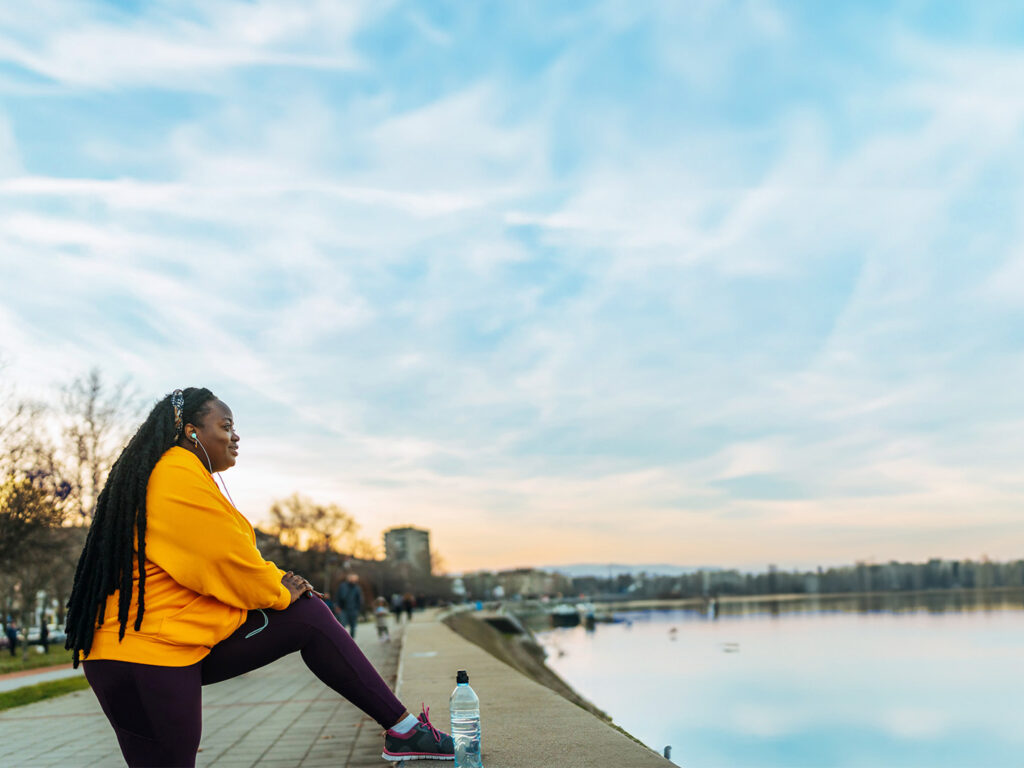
pixel 312 611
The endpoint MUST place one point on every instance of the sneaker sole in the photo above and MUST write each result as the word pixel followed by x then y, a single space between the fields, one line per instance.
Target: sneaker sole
pixel 401 758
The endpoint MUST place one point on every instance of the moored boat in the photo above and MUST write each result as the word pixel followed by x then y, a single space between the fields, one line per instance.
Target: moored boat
pixel 565 616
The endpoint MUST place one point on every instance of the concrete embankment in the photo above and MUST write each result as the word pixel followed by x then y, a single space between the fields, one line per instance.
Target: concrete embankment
pixel 526 723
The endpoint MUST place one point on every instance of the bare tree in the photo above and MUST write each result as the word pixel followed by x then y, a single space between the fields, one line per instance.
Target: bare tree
pixel 326 531
pixel 19 426
pixel 97 416
pixel 29 460
pixel 438 566
pixel 24 443
pixel 31 537
pixel 29 513
pixel 47 475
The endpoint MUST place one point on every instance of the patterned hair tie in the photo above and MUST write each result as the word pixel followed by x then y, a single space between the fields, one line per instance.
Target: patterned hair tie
pixel 178 401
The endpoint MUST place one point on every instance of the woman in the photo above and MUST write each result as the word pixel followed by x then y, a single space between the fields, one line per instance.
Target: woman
pixel 195 603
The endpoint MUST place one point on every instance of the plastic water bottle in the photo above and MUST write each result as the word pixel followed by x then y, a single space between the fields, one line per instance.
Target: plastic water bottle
pixel 465 710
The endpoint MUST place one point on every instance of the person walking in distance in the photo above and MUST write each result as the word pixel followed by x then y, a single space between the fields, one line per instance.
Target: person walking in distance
pixel 11 630
pixel 171 594
pixel 349 602
pixel 380 616
pixel 396 607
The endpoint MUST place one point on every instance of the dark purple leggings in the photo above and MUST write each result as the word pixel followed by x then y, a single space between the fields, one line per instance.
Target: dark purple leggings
pixel 157 711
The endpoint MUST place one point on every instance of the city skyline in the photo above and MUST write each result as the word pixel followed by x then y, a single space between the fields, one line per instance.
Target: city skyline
pixel 716 282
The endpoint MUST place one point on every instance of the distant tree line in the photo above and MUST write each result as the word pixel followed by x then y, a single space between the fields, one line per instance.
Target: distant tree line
pixel 863 577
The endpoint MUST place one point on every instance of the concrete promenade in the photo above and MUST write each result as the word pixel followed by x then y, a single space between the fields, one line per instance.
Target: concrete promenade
pixel 281 716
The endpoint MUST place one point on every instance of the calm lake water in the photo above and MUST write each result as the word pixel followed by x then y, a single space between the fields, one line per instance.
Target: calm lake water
pixel 908 681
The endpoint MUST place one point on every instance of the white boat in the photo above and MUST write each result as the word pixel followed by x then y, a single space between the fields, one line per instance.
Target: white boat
pixel 564 616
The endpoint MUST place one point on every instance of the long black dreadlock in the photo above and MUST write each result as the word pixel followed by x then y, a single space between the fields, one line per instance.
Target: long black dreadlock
pixel 106 564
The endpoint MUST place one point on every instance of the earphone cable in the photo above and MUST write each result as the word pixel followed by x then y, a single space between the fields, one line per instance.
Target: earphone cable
pixel 226 491
pixel 209 465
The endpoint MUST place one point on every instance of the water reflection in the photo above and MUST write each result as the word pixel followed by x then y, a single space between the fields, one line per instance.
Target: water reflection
pixel 859 680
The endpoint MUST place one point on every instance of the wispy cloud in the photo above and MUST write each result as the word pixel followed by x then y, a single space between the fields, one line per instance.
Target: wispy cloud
pixel 176 45
pixel 716 282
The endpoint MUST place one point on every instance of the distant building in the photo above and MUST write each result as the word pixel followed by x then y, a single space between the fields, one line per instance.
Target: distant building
pixel 408 545
pixel 529 582
pixel 519 582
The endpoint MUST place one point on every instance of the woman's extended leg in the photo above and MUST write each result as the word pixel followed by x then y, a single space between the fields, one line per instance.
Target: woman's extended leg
pixel 308 626
pixel 156 711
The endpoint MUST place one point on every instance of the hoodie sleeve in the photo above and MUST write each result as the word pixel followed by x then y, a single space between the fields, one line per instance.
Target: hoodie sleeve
pixel 203 544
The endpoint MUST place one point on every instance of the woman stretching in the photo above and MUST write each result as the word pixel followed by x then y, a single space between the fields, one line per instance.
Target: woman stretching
pixel 195 603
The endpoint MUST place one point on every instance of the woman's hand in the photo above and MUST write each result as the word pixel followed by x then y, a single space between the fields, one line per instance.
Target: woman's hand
pixel 298 586
pixel 295 586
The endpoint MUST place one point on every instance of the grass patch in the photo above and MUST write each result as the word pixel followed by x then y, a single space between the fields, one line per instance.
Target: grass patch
pixel 35 660
pixel 33 693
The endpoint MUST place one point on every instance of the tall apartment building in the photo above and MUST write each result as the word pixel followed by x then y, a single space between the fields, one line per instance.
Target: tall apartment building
pixel 408 545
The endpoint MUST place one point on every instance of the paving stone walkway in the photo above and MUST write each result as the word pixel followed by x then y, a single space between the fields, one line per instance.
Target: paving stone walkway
pixel 280 716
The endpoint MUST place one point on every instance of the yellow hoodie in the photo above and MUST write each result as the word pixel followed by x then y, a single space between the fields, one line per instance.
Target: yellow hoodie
pixel 203 572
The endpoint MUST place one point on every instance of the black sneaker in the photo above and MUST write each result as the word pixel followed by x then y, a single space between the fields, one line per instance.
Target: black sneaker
pixel 423 742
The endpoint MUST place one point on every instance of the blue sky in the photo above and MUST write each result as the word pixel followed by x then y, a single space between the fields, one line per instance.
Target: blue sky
pixel 701 282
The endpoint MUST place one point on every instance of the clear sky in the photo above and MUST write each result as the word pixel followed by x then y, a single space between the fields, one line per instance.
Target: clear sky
pixel 693 282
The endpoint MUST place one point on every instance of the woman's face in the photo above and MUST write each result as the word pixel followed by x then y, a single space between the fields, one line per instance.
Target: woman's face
pixel 217 436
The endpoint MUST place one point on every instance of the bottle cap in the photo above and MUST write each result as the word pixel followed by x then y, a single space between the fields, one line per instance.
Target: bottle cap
pixel 461 677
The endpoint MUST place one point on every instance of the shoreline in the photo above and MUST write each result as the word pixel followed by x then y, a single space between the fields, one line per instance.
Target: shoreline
pixel 783 597
pixel 681 602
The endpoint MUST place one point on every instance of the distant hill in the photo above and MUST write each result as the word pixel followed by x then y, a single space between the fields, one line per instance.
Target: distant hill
pixel 603 570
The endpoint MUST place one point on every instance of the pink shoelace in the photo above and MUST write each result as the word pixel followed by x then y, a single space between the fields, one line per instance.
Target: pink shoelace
pixel 425 719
